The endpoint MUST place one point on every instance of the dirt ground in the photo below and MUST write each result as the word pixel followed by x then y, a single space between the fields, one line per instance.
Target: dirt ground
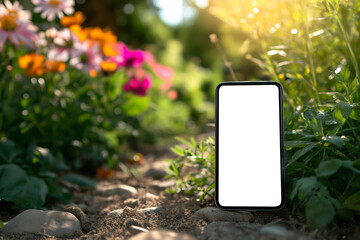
pixel 175 214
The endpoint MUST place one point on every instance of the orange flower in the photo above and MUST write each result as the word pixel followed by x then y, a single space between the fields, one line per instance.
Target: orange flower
pixel 101 36
pixel 77 19
pixel 104 172
pixel 54 66
pixel 109 51
pixel 79 32
pixel 108 66
pixel 33 64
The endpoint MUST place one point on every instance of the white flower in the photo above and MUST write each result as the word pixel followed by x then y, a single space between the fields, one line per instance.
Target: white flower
pixel 87 57
pixel 16 10
pixel 51 8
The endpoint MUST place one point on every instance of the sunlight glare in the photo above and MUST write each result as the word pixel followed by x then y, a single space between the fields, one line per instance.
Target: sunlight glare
pixel 294 31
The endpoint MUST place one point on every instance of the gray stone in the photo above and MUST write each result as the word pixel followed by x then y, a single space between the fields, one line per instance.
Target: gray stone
pixel 163 184
pixel 135 229
pixel 115 213
pixel 156 173
pixel 151 196
pixel 120 189
pixel 162 235
pixel 213 214
pixel 150 210
pixel 52 223
pixel 276 231
pixel 131 202
pixel 229 231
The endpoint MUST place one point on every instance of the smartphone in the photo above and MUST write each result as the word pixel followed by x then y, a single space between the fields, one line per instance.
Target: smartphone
pixel 249 146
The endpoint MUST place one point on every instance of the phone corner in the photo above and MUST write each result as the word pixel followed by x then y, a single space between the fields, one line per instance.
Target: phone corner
pixel 217 89
pixel 278 85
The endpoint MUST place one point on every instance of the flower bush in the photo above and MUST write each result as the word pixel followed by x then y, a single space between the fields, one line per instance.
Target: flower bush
pixel 70 97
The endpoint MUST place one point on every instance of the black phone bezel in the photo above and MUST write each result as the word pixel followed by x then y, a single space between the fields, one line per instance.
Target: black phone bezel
pixel 281 117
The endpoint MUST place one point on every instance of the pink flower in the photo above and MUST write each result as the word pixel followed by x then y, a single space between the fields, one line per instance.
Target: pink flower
pixel 16 10
pixel 138 86
pixel 51 8
pixel 87 57
pixel 126 57
pixel 19 33
pixel 163 72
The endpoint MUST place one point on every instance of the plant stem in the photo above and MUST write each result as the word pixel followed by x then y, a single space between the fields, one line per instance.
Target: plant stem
pixel 214 40
pixel 348 44
pixel 309 52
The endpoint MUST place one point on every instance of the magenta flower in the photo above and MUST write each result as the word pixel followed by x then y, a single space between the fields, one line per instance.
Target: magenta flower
pixel 138 86
pixel 128 58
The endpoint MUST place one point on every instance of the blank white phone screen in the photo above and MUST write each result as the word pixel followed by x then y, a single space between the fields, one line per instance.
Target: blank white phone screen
pixel 249 160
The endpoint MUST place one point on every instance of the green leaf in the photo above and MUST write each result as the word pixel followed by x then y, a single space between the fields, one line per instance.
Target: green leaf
pixel 303 187
pixel 79 180
pixel 353 202
pixel 1 224
pixel 116 82
pixel 299 153
pixel 16 186
pixel 351 165
pixel 8 150
pixel 134 105
pixel 177 150
pixel 342 112
pixel 41 155
pixel 57 192
pixel 296 144
pixel 319 212
pixel 328 168
pixel 335 140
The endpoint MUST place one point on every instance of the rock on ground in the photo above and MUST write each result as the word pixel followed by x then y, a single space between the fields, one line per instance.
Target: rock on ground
pixel 229 231
pixel 162 235
pixel 52 223
pixel 214 214
pixel 121 189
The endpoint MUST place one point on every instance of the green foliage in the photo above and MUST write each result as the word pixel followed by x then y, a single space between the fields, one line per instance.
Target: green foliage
pixel 194 170
pixel 18 187
pixel 312 53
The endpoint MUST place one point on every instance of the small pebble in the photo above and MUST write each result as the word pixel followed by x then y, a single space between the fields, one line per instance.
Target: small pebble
pixel 115 213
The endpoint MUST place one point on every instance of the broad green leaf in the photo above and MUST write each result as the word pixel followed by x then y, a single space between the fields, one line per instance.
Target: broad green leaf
pixel 16 186
pixel 328 168
pixel 353 202
pixel 8 150
pixel 342 111
pixel 1 224
pixel 299 153
pixel 79 180
pixel 134 105
pixel 319 212
pixel 303 187
pixel 335 140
